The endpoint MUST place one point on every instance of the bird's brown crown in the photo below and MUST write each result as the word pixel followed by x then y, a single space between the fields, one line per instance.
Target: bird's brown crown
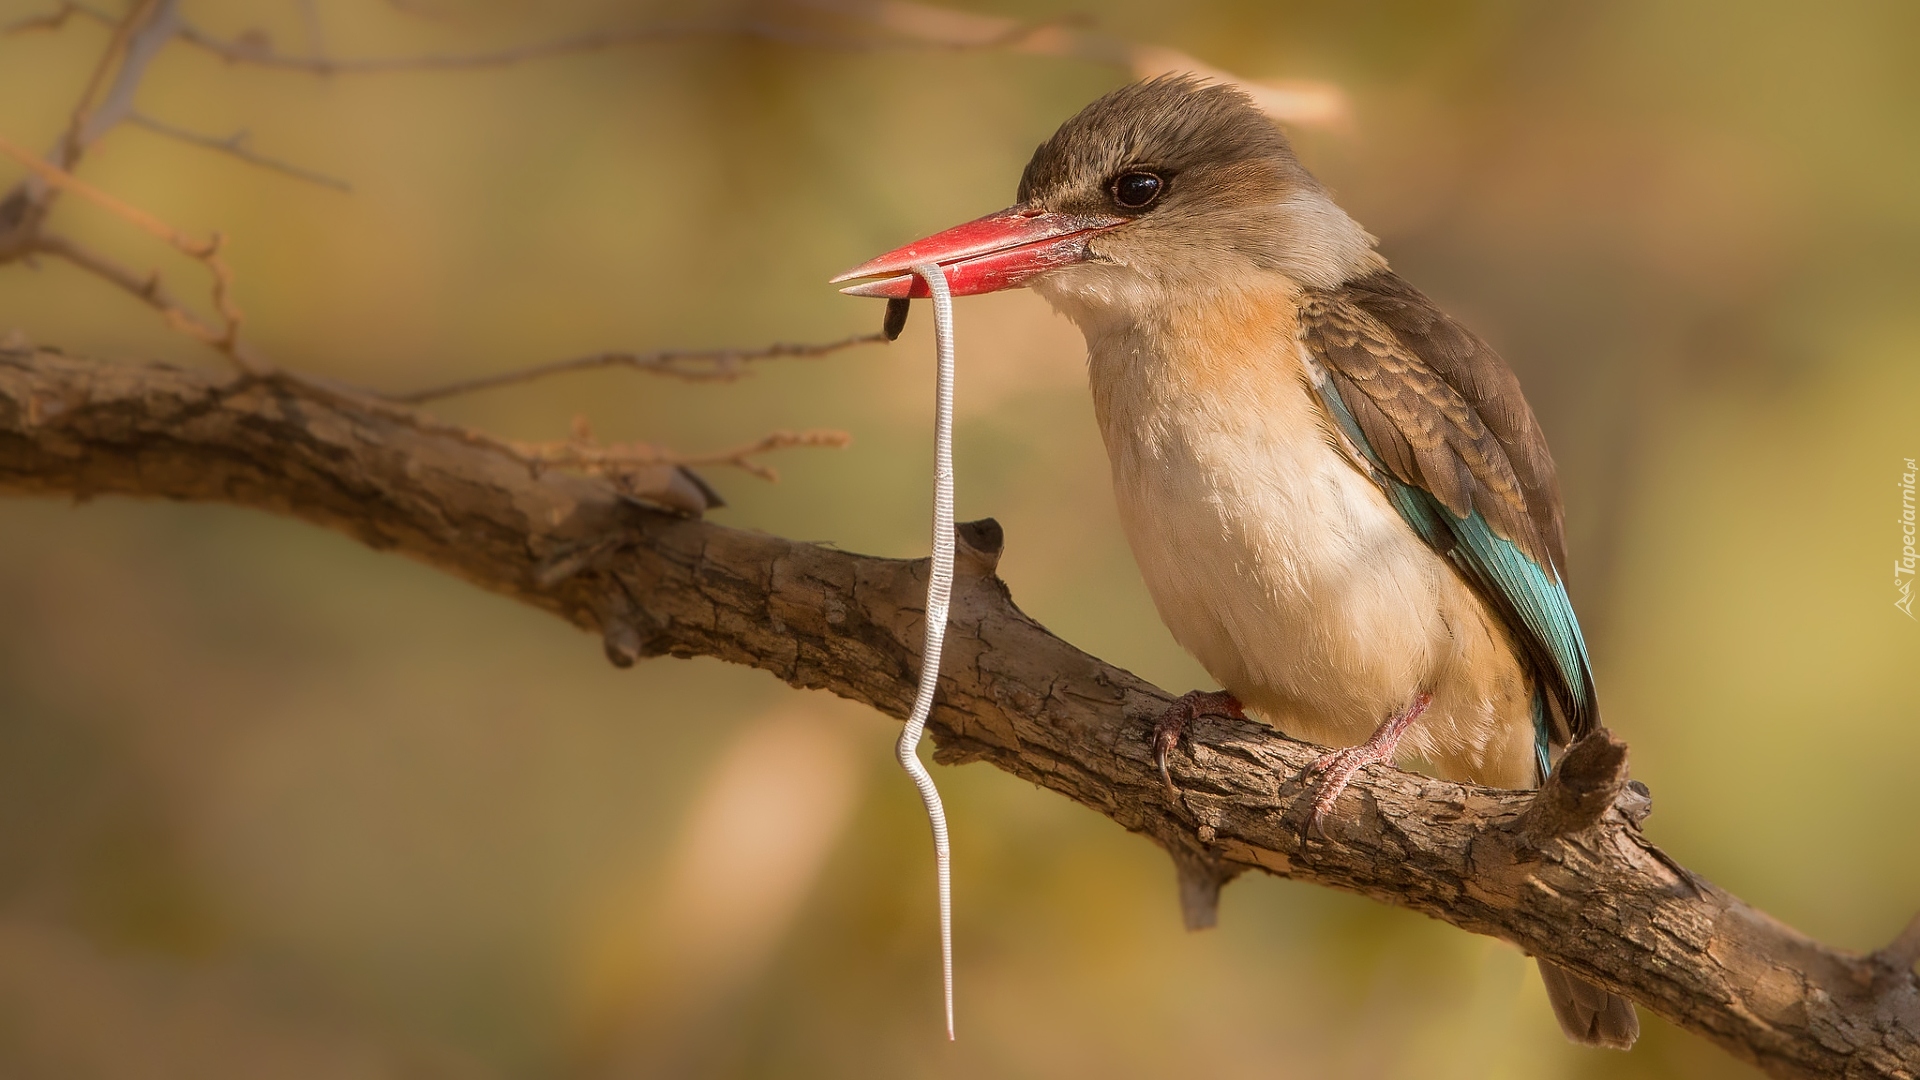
pixel 1170 124
pixel 1208 182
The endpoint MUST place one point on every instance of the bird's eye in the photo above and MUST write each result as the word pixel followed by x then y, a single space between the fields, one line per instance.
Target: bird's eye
pixel 1137 190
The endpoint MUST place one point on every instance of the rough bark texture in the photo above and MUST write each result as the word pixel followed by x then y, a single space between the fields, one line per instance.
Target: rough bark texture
pixel 1565 874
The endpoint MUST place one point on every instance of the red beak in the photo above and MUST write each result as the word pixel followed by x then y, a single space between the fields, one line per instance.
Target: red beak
pixel 1000 251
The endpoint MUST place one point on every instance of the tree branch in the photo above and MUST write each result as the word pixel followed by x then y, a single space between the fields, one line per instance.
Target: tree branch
pixel 1565 874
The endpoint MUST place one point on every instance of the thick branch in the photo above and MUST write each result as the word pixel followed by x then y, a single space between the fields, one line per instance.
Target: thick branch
pixel 1568 877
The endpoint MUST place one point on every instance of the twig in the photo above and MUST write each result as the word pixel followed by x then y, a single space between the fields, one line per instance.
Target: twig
pixel 134 42
pixel 582 452
pixel 901 25
pixel 116 46
pixel 227 337
pixel 137 40
pixel 149 289
pixel 52 20
pixel 262 55
pixel 1308 103
pixel 235 145
pixel 693 365
pixel 64 180
pixel 741 457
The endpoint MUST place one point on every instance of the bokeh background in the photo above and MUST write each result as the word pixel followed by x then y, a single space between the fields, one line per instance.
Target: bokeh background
pixel 272 804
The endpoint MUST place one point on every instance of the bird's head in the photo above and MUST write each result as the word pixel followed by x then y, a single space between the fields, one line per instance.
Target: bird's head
pixel 1168 184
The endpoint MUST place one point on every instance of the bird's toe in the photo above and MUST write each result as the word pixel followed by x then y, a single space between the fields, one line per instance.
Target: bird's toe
pixel 1171 725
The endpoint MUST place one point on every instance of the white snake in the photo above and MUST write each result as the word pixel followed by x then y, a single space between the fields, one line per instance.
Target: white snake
pixel 939 594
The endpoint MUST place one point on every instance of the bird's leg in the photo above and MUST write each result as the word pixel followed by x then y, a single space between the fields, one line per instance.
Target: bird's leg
pixel 1340 765
pixel 1172 723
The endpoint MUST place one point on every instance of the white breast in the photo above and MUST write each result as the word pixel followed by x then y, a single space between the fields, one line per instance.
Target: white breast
pixel 1273 559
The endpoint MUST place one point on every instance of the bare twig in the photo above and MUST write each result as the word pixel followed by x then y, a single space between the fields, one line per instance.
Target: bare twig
pixel 116 47
pixel 137 40
pixel 693 365
pixel 742 457
pixel 226 338
pixel 899 24
pixel 236 145
pixel 60 178
pixel 148 287
pixel 52 20
pixel 584 453
pixel 1313 104
pixel 261 54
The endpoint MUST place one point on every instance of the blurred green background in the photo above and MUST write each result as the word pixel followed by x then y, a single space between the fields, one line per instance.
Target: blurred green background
pixel 272 804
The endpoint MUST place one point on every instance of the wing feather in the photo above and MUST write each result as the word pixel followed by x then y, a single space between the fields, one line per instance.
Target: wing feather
pixel 1441 418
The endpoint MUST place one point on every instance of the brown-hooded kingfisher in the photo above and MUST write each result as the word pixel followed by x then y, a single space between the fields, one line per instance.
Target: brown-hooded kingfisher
pixel 1338 496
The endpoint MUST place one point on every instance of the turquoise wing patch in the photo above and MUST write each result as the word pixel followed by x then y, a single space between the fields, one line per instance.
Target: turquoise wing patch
pixel 1531 595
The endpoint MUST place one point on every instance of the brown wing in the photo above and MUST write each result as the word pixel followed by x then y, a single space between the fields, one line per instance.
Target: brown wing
pixel 1485 382
pixel 1440 412
pixel 1439 406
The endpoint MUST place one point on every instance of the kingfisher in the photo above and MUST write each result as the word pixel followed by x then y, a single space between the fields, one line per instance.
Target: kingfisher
pixel 1338 496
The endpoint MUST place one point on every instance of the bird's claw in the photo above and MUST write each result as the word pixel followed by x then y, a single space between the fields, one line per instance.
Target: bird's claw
pixel 1339 766
pixel 1171 724
pixel 1163 743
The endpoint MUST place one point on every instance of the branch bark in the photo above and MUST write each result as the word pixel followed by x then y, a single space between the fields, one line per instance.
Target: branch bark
pixel 1564 873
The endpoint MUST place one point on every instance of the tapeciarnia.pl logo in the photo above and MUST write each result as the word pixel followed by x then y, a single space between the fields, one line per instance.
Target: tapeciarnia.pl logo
pixel 1904 565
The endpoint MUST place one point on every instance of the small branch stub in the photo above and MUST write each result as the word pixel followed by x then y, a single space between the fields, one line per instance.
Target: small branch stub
pixel 1903 952
pixel 1591 777
pixel 980 545
pixel 1201 875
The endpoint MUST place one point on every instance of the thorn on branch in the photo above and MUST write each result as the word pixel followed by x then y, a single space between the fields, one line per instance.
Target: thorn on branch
pixel 1590 778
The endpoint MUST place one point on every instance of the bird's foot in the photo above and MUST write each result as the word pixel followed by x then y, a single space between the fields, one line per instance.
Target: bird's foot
pixel 1336 767
pixel 1172 723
